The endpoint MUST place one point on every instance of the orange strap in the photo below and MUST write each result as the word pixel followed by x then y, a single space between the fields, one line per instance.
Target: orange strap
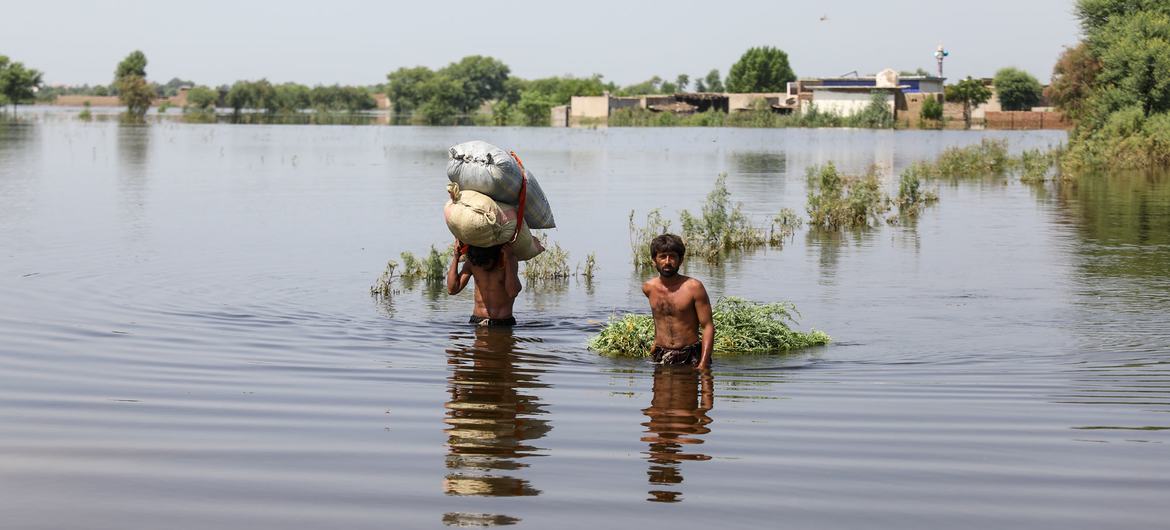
pixel 523 194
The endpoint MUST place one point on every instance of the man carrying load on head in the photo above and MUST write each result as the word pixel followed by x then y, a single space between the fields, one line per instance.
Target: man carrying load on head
pixel 497 282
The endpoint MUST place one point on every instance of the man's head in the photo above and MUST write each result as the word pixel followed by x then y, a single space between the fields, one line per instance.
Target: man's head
pixel 667 252
pixel 483 257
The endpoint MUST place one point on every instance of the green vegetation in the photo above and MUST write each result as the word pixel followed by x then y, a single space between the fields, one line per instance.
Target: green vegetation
pixel 85 114
pixel 876 115
pixel 430 269
pixel 201 98
pixel 1017 89
pixel 710 83
pixel 287 98
pixel 932 110
pixel 1072 79
pixel 384 285
pixel 719 229
pixel 18 84
pixel 988 158
pixel 1118 85
pixel 550 265
pixel 589 268
pixel 742 327
pixel 837 201
pixel 760 69
pixel 447 96
pixel 641 236
pixel 971 93
pixel 912 199
pixel 133 90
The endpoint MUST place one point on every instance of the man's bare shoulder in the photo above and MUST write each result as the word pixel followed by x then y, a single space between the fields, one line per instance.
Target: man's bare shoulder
pixel 650 284
pixel 695 285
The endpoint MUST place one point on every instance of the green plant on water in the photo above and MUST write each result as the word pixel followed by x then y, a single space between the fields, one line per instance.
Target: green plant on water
pixel 431 269
pixel 837 201
pixel 86 114
pixel 741 327
pixel 384 286
pixel 550 265
pixel 911 197
pixel 589 267
pixel 1036 165
pixel 988 158
pixel 721 227
pixel 784 227
pixel 641 236
pixel 164 107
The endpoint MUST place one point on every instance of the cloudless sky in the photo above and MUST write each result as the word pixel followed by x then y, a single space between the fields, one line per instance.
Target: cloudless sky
pixel 354 42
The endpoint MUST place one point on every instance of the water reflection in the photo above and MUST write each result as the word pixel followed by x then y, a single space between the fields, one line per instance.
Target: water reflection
pixel 491 420
pixel 678 415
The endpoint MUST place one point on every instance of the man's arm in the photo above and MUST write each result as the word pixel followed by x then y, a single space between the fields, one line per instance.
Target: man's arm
pixel 511 271
pixel 457 280
pixel 703 311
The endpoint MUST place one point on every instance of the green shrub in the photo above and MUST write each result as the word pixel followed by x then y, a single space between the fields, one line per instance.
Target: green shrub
pixel 932 110
pixel 550 265
pixel 988 158
pixel 741 327
pixel 836 201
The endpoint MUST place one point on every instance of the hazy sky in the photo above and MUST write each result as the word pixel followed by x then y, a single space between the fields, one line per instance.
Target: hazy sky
pixel 338 41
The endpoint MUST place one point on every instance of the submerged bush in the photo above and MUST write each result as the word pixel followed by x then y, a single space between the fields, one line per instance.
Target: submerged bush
pixel 721 227
pixel 718 229
pixel 430 269
pixel 911 197
pixel 550 265
pixel 838 201
pixel 640 237
pixel 741 327
pixel 988 158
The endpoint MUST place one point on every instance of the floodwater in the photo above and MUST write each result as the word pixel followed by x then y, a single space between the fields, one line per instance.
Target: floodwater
pixel 187 341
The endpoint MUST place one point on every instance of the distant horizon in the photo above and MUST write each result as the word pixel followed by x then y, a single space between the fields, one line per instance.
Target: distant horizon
pixel 324 45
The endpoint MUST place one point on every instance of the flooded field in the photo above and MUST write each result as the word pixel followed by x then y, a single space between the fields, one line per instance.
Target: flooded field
pixel 187 341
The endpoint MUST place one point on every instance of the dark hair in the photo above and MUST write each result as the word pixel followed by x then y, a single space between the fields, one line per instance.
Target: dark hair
pixel 668 243
pixel 483 257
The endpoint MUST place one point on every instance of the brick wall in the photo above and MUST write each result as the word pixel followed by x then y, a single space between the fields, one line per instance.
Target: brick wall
pixel 1026 120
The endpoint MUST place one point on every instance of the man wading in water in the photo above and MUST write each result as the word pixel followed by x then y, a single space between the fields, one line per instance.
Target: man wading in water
pixel 680 305
pixel 497 282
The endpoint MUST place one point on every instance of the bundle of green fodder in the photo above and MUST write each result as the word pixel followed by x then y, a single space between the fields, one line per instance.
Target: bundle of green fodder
pixel 741 327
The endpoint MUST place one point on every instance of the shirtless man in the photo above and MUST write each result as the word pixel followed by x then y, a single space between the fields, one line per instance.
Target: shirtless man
pixel 680 306
pixel 497 282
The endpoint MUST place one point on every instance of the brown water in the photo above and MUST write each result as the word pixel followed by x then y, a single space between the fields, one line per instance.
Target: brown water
pixel 186 341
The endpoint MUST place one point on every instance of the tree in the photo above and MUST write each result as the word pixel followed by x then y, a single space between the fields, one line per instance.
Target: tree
pixel 1073 78
pixel 1017 89
pixel 971 93
pixel 1135 59
pixel 404 88
pixel 931 109
pixel 202 98
pixel 18 84
pixel 483 79
pixel 713 81
pixel 133 90
pixel 682 82
pixel 761 69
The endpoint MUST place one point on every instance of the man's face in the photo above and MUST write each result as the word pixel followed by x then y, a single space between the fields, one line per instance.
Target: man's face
pixel 667 263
